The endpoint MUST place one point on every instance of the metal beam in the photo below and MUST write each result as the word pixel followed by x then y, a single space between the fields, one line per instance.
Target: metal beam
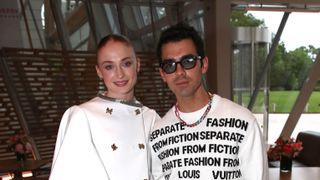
pixel 16 102
pixel 73 21
pixel 60 25
pixel 26 23
pixel 143 3
pixel 35 23
pixel 93 29
pixel 152 22
pixel 277 2
pixel 119 7
pixel 305 92
pixel 267 64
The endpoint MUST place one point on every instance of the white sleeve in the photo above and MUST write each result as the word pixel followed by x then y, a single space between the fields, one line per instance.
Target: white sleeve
pixel 64 123
pixel 253 155
pixel 74 155
pixel 156 167
pixel 156 164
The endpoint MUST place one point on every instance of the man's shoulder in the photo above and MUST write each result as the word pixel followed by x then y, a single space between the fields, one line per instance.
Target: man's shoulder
pixel 227 108
pixel 166 120
pixel 224 102
pixel 169 114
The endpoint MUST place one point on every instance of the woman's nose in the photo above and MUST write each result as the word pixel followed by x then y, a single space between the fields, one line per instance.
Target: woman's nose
pixel 120 73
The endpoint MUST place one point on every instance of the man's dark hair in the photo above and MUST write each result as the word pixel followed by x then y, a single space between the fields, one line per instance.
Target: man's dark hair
pixel 177 33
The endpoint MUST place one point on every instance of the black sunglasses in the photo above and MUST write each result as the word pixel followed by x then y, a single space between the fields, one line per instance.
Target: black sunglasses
pixel 187 62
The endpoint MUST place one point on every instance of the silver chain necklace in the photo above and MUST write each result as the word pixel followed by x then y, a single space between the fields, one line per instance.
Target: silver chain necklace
pixel 176 106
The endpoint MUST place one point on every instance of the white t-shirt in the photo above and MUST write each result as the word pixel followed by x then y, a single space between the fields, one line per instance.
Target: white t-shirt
pixel 227 144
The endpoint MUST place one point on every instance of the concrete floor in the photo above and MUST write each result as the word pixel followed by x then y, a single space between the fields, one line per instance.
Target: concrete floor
pixel 307 122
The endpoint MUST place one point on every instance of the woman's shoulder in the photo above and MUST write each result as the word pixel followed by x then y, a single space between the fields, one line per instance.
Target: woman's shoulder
pixel 150 112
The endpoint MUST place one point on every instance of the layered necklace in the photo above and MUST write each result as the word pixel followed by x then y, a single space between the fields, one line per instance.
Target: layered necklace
pixel 132 102
pixel 176 106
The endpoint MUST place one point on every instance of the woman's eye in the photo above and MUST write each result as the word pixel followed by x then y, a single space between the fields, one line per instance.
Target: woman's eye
pixel 108 67
pixel 127 63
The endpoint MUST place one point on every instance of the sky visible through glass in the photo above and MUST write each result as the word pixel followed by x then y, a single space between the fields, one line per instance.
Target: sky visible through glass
pixel 302 29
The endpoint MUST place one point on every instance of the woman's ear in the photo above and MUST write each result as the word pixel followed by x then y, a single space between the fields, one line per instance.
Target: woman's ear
pixel 99 72
pixel 138 64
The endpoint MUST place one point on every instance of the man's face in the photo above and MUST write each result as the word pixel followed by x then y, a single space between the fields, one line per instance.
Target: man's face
pixel 183 82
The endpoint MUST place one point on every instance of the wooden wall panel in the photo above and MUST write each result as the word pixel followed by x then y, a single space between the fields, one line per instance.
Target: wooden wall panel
pixel 46 83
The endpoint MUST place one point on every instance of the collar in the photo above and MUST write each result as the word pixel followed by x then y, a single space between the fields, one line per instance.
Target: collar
pixel 133 102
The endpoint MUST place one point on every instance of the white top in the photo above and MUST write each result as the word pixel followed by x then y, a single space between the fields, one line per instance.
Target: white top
pixel 103 139
pixel 227 144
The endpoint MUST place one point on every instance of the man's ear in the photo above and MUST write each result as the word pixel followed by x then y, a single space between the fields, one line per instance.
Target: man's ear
pixel 162 75
pixel 205 65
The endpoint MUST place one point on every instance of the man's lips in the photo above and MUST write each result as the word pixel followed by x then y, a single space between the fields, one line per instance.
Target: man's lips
pixel 121 83
pixel 181 82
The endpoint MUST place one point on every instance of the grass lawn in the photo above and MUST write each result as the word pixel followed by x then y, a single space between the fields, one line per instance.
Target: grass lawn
pixel 280 101
pixel 284 101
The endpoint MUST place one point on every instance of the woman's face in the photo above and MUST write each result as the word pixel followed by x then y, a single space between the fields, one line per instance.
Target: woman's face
pixel 118 66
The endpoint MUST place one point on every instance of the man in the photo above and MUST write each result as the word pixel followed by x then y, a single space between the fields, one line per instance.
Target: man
pixel 203 136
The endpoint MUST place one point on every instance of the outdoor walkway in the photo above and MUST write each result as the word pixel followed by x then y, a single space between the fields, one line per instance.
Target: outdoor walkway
pixel 308 121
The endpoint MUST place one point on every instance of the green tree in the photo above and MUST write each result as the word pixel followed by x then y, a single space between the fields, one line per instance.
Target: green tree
pixel 278 69
pixel 313 52
pixel 298 65
pixel 242 18
pixel 288 69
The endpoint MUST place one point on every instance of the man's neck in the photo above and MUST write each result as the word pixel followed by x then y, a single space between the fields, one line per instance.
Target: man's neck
pixel 194 102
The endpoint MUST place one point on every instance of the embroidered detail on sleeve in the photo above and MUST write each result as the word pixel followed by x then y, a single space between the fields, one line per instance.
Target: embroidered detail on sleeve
pixel 114 147
pixel 141 146
pixel 137 111
pixel 109 111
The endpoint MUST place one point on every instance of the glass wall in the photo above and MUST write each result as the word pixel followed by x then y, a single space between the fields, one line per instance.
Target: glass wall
pixel 250 49
pixel 78 25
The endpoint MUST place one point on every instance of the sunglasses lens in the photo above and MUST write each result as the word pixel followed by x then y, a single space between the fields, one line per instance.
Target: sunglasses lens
pixel 189 62
pixel 169 66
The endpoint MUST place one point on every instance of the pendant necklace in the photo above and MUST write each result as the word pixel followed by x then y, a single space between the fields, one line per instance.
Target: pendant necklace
pixel 199 120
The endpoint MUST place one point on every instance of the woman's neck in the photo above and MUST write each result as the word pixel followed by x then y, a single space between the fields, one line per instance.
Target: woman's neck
pixel 123 97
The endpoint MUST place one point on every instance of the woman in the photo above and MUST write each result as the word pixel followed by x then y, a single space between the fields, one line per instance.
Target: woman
pixel 106 137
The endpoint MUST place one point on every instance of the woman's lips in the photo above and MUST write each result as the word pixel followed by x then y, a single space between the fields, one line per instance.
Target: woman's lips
pixel 121 83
